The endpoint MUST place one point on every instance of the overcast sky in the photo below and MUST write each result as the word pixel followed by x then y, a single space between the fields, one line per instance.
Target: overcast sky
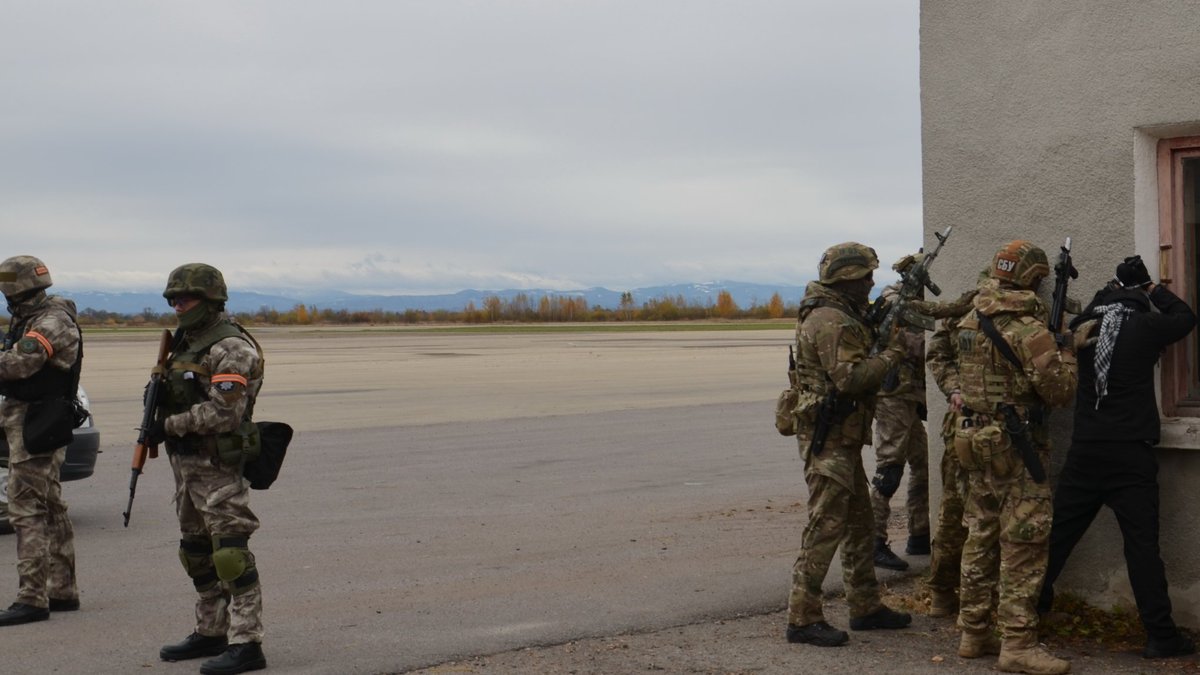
pixel 431 146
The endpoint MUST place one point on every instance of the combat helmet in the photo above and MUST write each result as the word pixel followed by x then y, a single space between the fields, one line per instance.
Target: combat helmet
pixel 1020 263
pixel 23 274
pixel 907 261
pixel 846 262
pixel 196 279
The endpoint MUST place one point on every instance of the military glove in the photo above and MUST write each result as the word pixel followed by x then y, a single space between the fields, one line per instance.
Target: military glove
pixel 157 433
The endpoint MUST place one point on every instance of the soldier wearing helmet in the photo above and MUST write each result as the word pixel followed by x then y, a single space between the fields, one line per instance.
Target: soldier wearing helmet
pixel 214 372
pixel 900 439
pixel 833 364
pixel 39 376
pixel 1008 371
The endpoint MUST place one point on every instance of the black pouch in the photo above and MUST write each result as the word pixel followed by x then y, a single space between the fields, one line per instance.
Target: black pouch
pixel 48 425
pixel 274 438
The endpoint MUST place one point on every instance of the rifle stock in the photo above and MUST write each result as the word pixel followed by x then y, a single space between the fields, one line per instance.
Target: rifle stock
pixel 143 449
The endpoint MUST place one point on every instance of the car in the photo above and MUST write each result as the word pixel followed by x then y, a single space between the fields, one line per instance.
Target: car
pixel 79 464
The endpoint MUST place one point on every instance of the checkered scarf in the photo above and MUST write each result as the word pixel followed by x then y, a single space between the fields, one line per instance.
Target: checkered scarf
pixel 1110 327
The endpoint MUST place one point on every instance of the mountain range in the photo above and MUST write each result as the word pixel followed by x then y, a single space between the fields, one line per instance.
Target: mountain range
pixel 744 294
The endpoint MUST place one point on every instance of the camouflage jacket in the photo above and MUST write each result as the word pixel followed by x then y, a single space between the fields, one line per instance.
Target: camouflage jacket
pixel 226 381
pixel 986 378
pixel 911 371
pixel 49 337
pixel 833 344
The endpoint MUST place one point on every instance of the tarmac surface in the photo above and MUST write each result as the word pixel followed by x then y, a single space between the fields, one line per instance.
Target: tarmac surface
pixel 564 503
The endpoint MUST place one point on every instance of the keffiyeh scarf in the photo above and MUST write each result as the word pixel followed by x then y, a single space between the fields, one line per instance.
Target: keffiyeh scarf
pixel 1110 327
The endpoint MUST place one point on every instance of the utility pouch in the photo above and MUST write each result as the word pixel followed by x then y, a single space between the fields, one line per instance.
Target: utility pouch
pixel 785 407
pixel 961 441
pixel 48 425
pixel 262 471
pixel 992 448
pixel 239 446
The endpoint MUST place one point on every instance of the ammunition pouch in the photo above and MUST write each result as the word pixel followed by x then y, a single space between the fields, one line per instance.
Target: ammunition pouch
pixel 785 406
pixel 239 446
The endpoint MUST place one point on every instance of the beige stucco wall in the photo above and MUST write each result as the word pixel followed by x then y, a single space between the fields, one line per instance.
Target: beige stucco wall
pixel 1039 121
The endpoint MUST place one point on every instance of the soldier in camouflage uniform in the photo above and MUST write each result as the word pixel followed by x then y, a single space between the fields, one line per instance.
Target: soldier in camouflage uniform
pixel 41 360
pixel 213 375
pixel 1008 513
pixel 946 554
pixel 833 343
pixel 899 439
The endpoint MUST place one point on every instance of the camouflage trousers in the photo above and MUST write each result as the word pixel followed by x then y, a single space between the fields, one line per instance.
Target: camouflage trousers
pixel 900 439
pixel 836 516
pixel 38 514
pixel 945 561
pixel 210 501
pixel 1004 558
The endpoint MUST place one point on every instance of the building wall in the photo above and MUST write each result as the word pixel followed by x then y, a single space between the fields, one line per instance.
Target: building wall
pixel 1039 121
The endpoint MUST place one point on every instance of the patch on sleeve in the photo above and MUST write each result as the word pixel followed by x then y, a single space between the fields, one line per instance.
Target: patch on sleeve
pixel 226 387
pixel 28 345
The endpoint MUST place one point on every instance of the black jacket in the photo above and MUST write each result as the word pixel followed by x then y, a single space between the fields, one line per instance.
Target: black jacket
pixel 1130 410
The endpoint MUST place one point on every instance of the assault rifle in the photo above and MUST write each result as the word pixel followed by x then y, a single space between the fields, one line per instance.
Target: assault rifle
pixel 143 448
pixel 1064 271
pixel 913 281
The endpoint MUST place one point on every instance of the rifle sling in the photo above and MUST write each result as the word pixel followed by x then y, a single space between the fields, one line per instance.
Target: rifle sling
pixel 1018 433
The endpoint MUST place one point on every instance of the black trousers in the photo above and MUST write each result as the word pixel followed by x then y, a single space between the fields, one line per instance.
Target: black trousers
pixel 1122 475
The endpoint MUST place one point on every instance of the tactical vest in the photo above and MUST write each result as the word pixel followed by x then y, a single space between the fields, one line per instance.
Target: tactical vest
pixel 985 376
pixel 48 382
pixel 808 377
pixel 185 389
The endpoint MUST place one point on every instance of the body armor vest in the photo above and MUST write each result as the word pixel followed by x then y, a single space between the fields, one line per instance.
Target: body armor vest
pixel 186 385
pixel 48 382
pixel 985 377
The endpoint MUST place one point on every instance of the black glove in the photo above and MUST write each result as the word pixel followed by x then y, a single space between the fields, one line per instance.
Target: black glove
pixel 157 433
pixel 1132 272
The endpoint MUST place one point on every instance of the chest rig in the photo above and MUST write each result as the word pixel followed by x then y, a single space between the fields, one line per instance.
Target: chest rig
pixel 49 381
pixel 187 383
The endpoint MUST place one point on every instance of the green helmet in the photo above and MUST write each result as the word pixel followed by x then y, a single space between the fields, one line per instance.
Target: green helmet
pixel 21 274
pixel 845 262
pixel 1020 263
pixel 196 279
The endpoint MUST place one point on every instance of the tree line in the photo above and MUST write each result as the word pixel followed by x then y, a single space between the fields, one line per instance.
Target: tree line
pixel 520 308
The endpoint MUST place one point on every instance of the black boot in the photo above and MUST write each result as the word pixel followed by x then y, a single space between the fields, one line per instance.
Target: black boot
pixel 918 544
pixel 18 613
pixel 241 657
pixel 820 634
pixel 885 558
pixel 881 618
pixel 64 604
pixel 193 647
pixel 1179 645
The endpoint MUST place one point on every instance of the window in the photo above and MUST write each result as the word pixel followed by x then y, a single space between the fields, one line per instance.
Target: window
pixel 1179 260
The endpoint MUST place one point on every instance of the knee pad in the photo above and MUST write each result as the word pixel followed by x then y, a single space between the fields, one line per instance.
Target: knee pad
pixel 196 557
pixel 234 563
pixel 887 479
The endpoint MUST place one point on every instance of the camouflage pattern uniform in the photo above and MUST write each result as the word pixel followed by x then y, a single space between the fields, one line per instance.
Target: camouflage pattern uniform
pixel 948 539
pixel 832 347
pixel 900 438
pixel 214 374
pixel 1008 514
pixel 45 338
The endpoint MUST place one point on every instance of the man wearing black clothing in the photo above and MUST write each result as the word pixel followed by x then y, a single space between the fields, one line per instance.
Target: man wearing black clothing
pixel 1119 338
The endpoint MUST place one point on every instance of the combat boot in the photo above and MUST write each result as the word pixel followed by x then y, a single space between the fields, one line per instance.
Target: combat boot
pixel 918 544
pixel 820 634
pixel 193 647
pixel 241 657
pixel 942 604
pixel 886 559
pixel 882 618
pixel 975 645
pixel 1034 660
pixel 19 613
pixel 1179 645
